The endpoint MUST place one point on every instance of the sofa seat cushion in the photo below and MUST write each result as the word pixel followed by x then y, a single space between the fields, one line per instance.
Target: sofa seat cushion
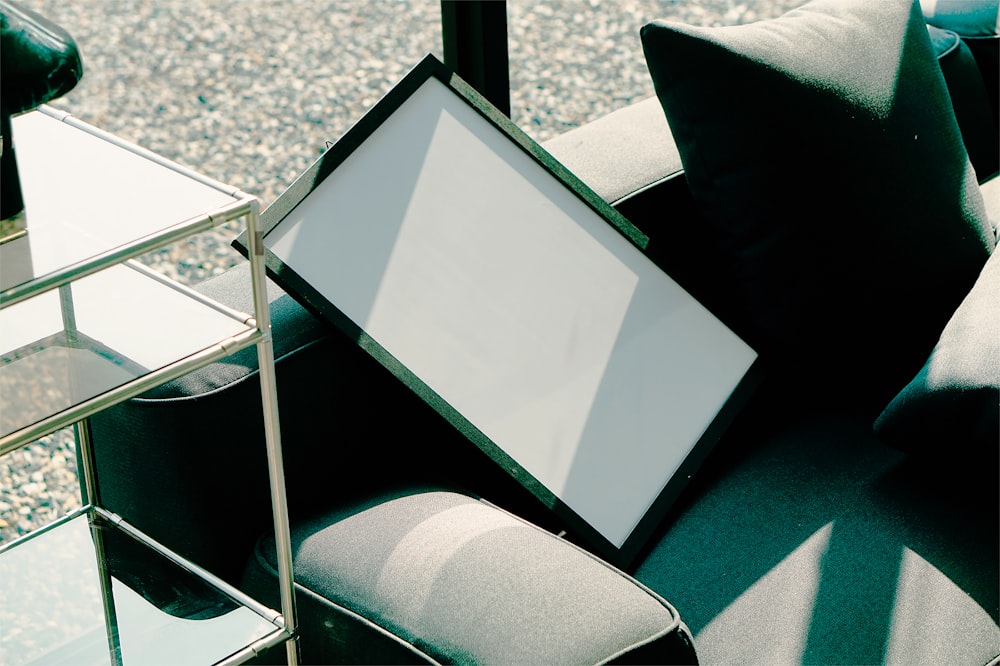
pixel 805 541
pixel 788 130
pixel 443 577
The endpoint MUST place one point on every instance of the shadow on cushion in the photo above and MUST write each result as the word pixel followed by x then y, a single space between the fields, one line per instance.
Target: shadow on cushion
pixel 844 551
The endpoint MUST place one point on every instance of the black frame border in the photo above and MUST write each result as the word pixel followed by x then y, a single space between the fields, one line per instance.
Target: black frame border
pixel 311 299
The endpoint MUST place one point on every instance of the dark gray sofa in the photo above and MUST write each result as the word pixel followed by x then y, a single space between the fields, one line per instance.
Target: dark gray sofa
pixel 810 535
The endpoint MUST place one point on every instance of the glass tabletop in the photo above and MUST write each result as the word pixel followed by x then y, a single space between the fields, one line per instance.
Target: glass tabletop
pixel 87 192
pixel 89 593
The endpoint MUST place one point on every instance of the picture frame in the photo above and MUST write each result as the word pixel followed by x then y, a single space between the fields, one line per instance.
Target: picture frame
pixel 515 302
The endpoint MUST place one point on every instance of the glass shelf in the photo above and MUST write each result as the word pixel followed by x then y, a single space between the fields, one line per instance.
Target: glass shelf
pixel 106 333
pixel 86 591
pixel 67 346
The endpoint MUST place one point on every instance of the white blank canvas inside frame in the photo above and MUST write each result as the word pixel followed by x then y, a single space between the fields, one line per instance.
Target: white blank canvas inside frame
pixel 514 301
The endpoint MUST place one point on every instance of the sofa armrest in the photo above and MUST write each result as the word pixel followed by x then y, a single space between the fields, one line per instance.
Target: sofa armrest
pixel 622 153
pixel 440 577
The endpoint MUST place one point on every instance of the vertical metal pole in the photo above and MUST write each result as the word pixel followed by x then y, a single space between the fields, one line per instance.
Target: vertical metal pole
pixel 68 313
pixel 85 463
pixel 81 429
pixel 107 591
pixel 474 36
pixel 88 483
pixel 272 432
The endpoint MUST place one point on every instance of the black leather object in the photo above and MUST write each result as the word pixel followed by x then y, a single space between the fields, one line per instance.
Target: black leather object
pixel 39 61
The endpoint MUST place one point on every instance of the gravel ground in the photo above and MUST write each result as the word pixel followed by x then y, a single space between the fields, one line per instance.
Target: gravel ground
pixel 250 91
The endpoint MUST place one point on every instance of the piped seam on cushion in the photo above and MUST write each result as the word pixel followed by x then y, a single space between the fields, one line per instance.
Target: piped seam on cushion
pixel 225 387
pixel 301 589
pixel 675 622
pixel 956 40
pixel 648 186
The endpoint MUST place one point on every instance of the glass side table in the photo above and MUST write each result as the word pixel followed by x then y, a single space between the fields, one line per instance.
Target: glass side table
pixel 82 327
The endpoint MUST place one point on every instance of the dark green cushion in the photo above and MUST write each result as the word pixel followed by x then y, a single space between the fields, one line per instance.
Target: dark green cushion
pixel 822 149
pixel 446 578
pixel 954 401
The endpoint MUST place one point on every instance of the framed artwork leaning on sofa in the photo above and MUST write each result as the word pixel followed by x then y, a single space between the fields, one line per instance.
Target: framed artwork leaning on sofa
pixel 515 302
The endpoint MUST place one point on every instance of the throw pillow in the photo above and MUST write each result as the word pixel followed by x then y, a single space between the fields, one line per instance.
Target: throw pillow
pixel 822 149
pixel 955 398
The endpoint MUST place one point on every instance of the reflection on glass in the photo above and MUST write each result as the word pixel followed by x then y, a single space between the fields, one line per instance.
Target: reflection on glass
pixel 90 211
pixel 61 603
pixel 71 344
pixel 50 598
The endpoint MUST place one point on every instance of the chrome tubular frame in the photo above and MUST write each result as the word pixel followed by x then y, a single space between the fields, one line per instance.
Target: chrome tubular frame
pixel 258 333
pixel 265 356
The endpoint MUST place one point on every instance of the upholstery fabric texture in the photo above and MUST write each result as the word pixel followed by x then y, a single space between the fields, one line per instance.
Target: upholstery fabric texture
pixel 822 150
pixel 956 395
pixel 843 550
pixel 969 18
pixel 461 581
